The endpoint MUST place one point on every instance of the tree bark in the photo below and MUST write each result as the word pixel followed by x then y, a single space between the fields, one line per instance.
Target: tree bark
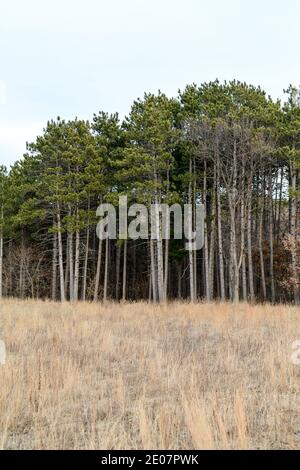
pixel 76 265
pixel 124 271
pixel 272 283
pixel 244 276
pixel 153 271
pixel 261 254
pixel 98 269
pixel 190 222
pixel 293 234
pixel 249 246
pixel 54 266
pixel 212 239
pixel 60 257
pixel 86 260
pixel 206 254
pixel 220 237
pixel 71 266
pixel 118 261
pixel 105 288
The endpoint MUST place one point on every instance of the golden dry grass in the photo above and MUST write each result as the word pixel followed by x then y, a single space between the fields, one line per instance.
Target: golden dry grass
pixel 136 376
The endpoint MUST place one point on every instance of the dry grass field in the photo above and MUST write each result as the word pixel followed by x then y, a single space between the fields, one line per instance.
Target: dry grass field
pixel 136 376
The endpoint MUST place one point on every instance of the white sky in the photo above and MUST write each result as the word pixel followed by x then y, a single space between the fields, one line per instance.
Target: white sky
pixel 73 58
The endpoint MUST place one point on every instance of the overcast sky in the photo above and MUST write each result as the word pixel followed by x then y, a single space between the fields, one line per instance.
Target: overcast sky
pixel 72 58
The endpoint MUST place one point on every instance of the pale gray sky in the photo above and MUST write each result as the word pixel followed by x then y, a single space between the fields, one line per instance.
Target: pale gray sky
pixel 72 58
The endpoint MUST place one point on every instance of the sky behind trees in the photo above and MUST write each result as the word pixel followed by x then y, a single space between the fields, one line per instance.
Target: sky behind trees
pixel 70 58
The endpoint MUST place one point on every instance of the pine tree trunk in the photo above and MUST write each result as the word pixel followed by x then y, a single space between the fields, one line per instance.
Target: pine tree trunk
pixel 124 271
pixel 190 226
pixel 98 270
pixel 86 259
pixel 194 222
pixel 149 288
pixel 280 204
pixel 54 266
pixel 212 240
pixel 153 271
pixel 206 254
pixel 234 275
pixel 249 246
pixel 244 276
pixel 159 258
pixel 118 261
pixel 166 260
pixel 233 247
pixel 191 269
pixel 60 257
pixel 220 237
pixel 76 265
pixel 166 276
pixel 272 283
pixel 71 266
pixel 105 288
pixel 67 268
pixel 261 254
pixel 293 234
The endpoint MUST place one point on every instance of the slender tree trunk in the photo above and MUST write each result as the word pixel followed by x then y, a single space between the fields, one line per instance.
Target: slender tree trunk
pixel 124 271
pixel 86 260
pixel 212 239
pixel 280 205
pixel 293 234
pixel 149 289
pixel 272 283
pixel 194 222
pixel 60 257
pixel 244 276
pixel 190 222
pixel 118 261
pixel 166 276
pixel 153 271
pixel 206 254
pixel 76 265
pixel 166 260
pixel 160 280
pixel 77 258
pixel 105 288
pixel 71 266
pixel 98 269
pixel 133 275
pixel 220 237
pixel 234 271
pixel 54 266
pixel 234 281
pixel 261 254
pixel 249 246
pixel 67 266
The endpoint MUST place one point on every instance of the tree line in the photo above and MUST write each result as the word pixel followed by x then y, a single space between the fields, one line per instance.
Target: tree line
pixel 228 146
